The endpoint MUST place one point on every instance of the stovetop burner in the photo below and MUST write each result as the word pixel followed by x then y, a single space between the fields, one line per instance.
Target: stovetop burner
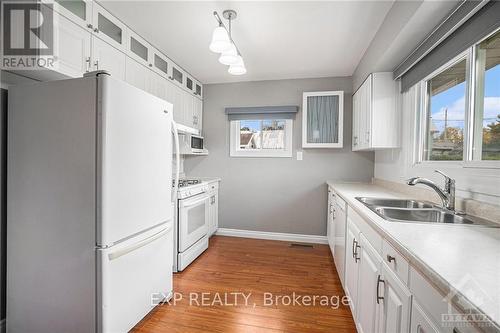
pixel 188 182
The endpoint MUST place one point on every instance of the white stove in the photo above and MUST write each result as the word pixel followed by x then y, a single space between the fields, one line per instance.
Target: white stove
pixel 192 222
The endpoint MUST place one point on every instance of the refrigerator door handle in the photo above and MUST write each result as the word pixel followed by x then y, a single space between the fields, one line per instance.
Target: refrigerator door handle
pixel 135 246
pixel 177 160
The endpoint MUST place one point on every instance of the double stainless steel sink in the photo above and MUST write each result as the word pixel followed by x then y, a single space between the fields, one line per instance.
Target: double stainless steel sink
pixel 402 210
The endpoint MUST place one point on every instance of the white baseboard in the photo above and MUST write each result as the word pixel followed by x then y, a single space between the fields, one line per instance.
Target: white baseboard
pixel 272 236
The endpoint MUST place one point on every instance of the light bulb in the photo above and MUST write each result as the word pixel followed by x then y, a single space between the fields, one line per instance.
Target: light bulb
pixel 230 56
pixel 220 40
pixel 237 68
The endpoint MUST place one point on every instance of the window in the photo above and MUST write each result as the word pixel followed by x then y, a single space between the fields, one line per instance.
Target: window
pixel 460 113
pixel 445 113
pixel 261 138
pixel 486 142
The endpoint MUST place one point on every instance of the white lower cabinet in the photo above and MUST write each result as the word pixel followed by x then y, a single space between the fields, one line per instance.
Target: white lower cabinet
pixel 108 58
pixel 368 288
pixel 330 226
pixel 420 323
pixel 386 293
pixel 213 212
pixel 396 303
pixel 213 208
pixel 352 265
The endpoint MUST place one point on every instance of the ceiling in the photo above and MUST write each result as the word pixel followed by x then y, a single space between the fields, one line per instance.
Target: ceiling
pixel 278 40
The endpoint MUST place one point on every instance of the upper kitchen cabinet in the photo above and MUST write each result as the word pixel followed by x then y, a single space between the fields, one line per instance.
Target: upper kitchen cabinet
pixel 177 76
pixel 198 89
pixel 108 27
pixel 161 64
pixel 72 50
pixel 322 119
pixel 193 86
pixel 78 11
pixel 375 117
pixel 137 75
pixel 106 57
pixel 139 49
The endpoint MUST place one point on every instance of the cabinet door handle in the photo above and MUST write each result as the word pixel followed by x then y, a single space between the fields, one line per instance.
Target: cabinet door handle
pixel 87 64
pixel 356 258
pixel 379 279
pixel 353 247
pixel 355 140
pixel 90 26
pixel 96 64
pixel 150 65
pixel 391 258
pixel 171 77
pixel 96 30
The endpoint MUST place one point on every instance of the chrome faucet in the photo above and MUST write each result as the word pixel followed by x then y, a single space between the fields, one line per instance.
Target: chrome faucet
pixel 447 194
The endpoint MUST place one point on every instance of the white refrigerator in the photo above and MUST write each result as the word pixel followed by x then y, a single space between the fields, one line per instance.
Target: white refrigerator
pixel 90 220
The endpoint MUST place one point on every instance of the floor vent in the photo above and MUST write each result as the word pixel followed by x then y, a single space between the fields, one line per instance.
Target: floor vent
pixel 301 245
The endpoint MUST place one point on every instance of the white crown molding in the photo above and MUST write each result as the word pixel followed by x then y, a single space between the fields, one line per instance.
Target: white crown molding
pixel 272 236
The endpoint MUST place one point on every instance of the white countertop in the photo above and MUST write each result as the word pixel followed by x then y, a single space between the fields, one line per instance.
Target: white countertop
pixel 448 255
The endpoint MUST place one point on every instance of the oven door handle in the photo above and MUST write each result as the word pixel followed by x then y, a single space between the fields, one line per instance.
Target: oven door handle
pixel 188 203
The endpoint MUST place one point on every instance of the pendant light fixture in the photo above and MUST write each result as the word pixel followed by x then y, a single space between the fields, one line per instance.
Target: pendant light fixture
pixel 223 43
pixel 220 40
pixel 238 68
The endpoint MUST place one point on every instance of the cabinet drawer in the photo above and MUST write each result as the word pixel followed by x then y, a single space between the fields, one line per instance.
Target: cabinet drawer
pixel 395 261
pixel 373 237
pixel 420 323
pixel 437 307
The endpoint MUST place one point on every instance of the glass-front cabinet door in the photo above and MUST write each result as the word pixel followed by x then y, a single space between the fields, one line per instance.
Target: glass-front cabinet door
pixel 322 119
pixel 78 11
pixel 161 64
pixel 108 27
pixel 139 49
pixel 198 90
pixel 177 76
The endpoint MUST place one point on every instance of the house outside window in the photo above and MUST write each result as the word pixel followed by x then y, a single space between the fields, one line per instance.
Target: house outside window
pixel 261 131
pixel 261 138
pixel 445 103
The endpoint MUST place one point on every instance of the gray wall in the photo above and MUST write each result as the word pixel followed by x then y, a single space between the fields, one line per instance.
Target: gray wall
pixel 275 194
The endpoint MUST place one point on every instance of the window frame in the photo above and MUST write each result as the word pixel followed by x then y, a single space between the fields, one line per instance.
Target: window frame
pixel 234 140
pixel 424 111
pixel 468 160
pixel 340 143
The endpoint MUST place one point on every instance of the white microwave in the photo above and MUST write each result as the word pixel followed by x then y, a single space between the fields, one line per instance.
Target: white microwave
pixel 191 144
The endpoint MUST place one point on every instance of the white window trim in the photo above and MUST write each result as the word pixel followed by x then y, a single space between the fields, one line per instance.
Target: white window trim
pixel 470 98
pixel 234 139
pixel 340 142
pixel 423 111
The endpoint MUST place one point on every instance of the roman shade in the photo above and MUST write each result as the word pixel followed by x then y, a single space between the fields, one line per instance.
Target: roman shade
pixel 262 112
pixel 428 57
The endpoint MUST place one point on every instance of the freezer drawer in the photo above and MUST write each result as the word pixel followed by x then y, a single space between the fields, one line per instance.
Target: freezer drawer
pixel 133 275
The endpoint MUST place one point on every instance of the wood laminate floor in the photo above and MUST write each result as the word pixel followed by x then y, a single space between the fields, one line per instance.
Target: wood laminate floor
pixel 235 269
